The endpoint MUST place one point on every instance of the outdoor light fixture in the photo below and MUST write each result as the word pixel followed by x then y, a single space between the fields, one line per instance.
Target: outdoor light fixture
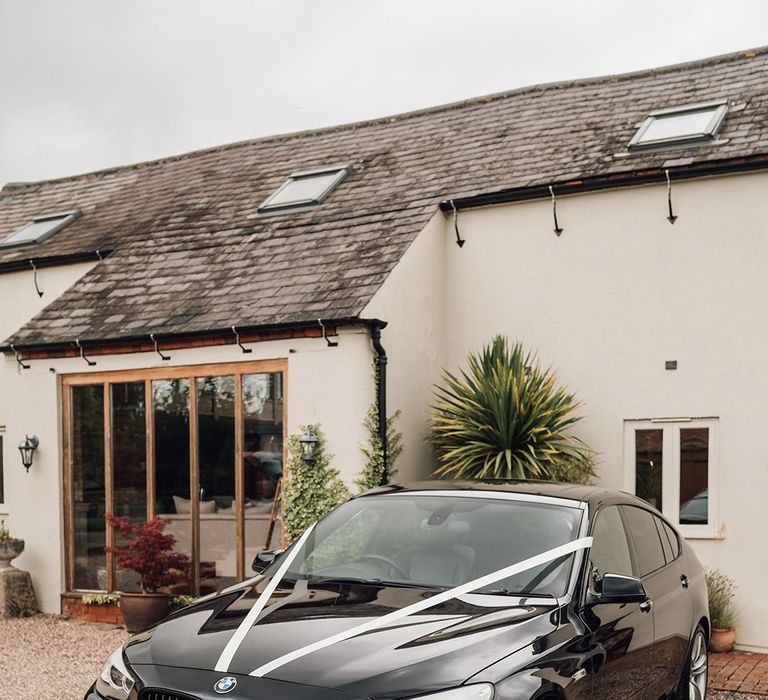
pixel 308 442
pixel 27 449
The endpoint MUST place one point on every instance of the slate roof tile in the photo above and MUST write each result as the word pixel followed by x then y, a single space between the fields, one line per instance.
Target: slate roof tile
pixel 190 253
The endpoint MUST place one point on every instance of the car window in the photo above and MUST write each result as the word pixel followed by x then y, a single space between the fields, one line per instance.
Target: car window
pixel 665 543
pixel 674 540
pixel 610 551
pixel 645 537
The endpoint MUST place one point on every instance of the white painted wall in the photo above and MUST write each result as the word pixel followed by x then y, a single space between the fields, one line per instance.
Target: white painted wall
pixel 620 292
pixel 412 301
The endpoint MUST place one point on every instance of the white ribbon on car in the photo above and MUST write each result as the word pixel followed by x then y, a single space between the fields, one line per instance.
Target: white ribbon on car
pixel 384 620
pixel 237 638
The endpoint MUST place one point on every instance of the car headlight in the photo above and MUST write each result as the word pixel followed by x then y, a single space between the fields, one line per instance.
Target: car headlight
pixel 478 691
pixel 115 681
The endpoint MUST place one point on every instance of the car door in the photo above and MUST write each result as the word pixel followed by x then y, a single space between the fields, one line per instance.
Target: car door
pixel 658 560
pixel 621 640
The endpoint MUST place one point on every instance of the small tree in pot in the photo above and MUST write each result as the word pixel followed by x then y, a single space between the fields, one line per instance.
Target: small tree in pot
pixel 149 553
pixel 10 547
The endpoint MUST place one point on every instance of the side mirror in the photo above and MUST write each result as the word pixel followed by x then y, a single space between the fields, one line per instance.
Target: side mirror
pixel 622 589
pixel 263 560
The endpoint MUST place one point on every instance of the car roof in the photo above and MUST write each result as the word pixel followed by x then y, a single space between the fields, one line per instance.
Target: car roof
pixel 592 495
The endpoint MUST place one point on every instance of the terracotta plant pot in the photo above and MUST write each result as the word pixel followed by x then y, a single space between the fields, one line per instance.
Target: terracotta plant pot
pixel 142 610
pixel 9 550
pixel 721 640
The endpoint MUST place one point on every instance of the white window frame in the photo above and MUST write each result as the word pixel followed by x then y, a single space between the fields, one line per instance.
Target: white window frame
pixel 719 108
pixel 670 475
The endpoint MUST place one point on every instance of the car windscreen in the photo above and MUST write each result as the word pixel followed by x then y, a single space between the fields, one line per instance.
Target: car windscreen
pixel 439 541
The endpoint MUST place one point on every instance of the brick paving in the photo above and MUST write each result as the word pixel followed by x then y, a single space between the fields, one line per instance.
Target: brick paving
pixel 739 671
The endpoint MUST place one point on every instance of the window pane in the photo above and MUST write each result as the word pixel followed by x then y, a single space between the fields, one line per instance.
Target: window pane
pixel 262 456
pixel 665 544
pixel 648 465
pixel 694 474
pixel 679 125
pixel 610 550
pixel 31 232
pixel 129 465
pixel 88 486
pixel 674 540
pixel 170 405
pixel 216 461
pixel 645 537
pixel 303 189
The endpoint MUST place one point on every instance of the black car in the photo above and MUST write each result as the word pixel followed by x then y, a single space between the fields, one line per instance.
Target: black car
pixel 445 591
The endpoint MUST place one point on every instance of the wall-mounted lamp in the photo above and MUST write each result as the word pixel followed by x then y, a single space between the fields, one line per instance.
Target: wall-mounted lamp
pixel 27 449
pixel 308 442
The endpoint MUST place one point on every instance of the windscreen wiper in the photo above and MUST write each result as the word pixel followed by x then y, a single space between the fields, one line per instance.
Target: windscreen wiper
pixel 513 594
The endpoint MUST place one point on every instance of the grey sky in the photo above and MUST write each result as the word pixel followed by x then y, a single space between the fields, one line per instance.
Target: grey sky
pixel 87 84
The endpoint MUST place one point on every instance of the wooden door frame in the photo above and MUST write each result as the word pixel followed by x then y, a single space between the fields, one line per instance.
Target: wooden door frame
pixel 191 372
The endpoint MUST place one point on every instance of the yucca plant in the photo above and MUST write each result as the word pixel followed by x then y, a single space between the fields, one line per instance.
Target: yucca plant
pixel 507 418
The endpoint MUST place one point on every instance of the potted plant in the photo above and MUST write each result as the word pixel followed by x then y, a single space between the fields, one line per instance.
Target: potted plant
pixel 149 553
pixel 10 547
pixel 721 590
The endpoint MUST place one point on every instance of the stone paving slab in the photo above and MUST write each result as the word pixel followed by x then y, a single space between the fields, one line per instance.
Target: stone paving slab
pixel 739 671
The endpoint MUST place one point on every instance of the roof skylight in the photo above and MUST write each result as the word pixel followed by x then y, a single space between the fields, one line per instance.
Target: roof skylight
pixel 39 229
pixel 304 189
pixel 680 126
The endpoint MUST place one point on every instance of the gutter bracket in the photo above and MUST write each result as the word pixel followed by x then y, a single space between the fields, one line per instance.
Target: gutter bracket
pixel 459 240
pixel 34 277
pixel 331 343
pixel 90 363
pixel 18 357
pixel 245 350
pixel 157 349
pixel 557 228
pixel 671 218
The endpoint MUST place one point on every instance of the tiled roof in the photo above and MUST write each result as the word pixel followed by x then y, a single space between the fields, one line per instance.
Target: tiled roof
pixel 189 254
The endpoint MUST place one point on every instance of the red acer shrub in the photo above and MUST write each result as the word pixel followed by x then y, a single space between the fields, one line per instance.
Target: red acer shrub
pixel 148 552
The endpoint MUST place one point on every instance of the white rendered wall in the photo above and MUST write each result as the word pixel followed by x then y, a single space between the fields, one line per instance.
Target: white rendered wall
pixel 620 292
pixel 412 301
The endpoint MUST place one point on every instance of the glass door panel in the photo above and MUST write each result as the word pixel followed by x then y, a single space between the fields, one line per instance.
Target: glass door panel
pixel 170 406
pixel 649 446
pixel 88 489
pixel 216 465
pixel 262 457
pixel 129 465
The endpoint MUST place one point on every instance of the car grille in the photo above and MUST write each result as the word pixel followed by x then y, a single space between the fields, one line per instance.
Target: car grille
pixel 159 694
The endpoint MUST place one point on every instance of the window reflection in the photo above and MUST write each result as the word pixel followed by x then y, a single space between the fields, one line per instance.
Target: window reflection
pixel 88 485
pixel 216 463
pixel 262 455
pixel 694 474
pixel 648 465
pixel 170 406
pixel 129 465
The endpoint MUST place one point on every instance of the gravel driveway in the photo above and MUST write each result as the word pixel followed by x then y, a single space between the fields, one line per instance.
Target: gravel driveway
pixel 49 658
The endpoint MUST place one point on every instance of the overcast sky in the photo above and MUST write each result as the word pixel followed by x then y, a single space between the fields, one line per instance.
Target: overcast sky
pixel 88 84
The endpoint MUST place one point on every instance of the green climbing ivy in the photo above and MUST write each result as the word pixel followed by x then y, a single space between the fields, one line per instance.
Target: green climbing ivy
pixel 311 491
pixel 373 450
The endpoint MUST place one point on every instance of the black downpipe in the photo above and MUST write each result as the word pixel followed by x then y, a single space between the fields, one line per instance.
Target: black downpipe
pixel 376 327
